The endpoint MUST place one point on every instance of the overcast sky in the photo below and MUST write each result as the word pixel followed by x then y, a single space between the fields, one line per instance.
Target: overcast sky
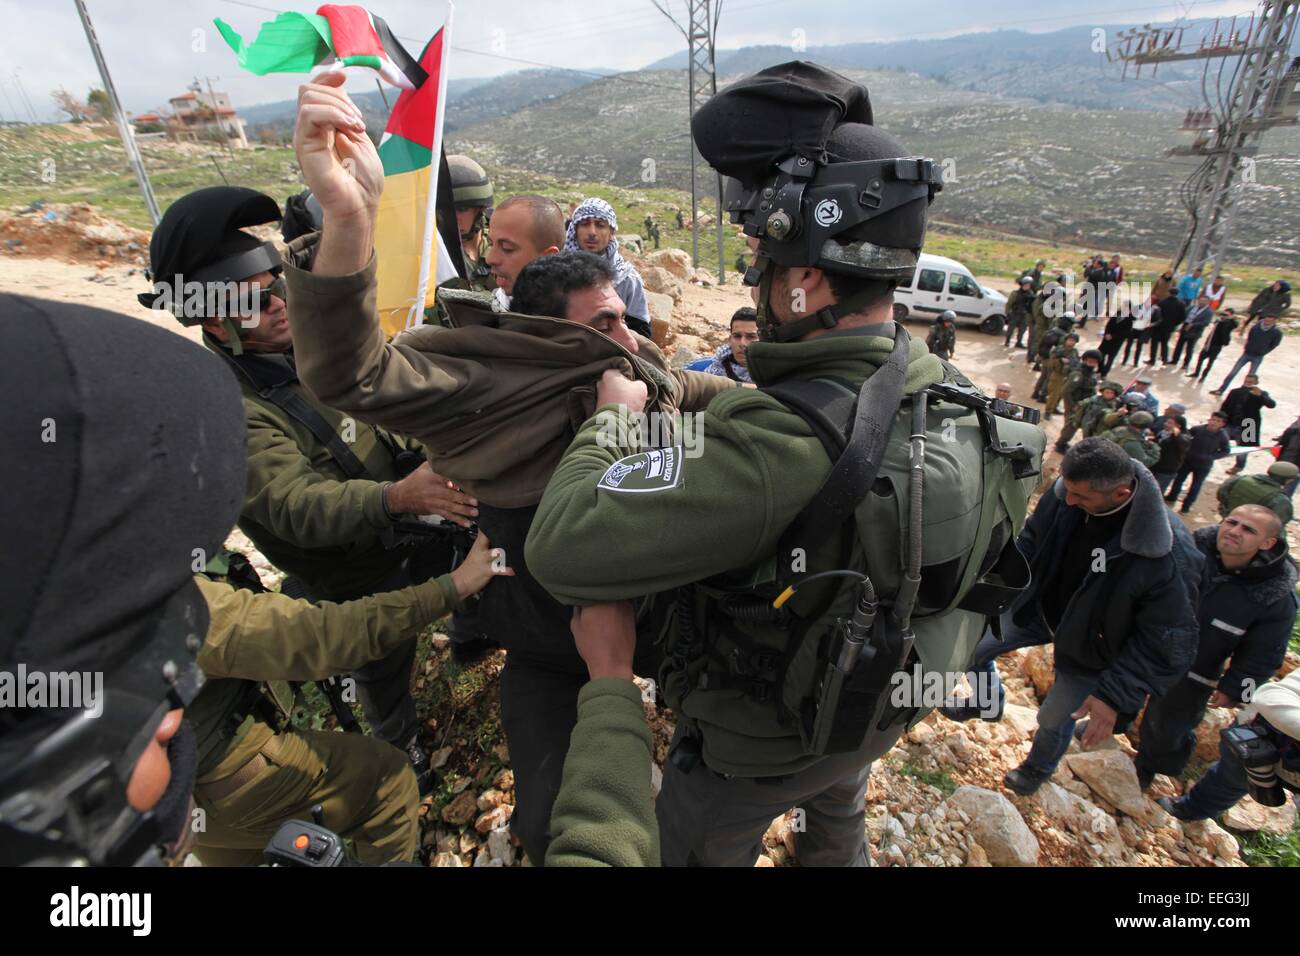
pixel 155 47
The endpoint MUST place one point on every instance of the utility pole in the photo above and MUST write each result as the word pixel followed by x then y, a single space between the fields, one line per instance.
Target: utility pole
pixel 17 116
pixel 216 115
pixel 702 83
pixel 22 94
pixel 123 129
pixel 1262 94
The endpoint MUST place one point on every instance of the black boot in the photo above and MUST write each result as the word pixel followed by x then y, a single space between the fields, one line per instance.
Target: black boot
pixel 1176 809
pixel 419 757
pixel 1025 780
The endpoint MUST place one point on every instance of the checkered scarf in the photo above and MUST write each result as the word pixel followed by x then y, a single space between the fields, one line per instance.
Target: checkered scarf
pixel 598 209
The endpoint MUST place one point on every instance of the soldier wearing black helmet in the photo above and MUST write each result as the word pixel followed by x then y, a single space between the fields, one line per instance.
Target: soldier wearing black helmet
pixel 1020 306
pixel 324 491
pixel 835 211
pixel 1079 388
pixel 471 194
pixel 942 340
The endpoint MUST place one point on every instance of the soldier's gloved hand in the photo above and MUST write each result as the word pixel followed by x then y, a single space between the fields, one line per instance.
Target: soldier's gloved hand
pixel 606 638
pixel 480 566
pixel 425 492
pixel 614 388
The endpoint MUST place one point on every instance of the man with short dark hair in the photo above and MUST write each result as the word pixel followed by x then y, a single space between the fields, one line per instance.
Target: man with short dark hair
pixel 1101 545
pixel 732 359
pixel 578 287
pixel 1220 336
pixel 523 228
pixel 1246 610
pixel 1209 444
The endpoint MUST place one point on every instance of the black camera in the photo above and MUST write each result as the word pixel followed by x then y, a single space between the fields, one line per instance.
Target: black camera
pixel 1259 755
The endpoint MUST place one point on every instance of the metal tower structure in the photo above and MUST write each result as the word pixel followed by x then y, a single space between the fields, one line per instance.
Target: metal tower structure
pixel 702 83
pixel 1263 92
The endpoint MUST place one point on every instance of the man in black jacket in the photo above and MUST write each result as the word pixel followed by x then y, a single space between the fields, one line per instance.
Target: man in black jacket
pixel 1113 588
pixel 1243 407
pixel 1260 340
pixel 1209 444
pixel 1219 336
pixel 1246 611
pixel 1170 313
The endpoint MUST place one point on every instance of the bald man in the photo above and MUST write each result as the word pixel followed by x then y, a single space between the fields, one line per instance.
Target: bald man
pixel 524 228
pixel 1246 608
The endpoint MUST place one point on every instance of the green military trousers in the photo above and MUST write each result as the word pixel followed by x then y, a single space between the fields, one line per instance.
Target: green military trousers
pixel 366 788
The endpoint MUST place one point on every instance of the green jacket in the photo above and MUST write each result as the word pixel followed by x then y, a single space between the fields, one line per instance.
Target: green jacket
pixel 495 399
pixel 1254 490
pixel 1062 361
pixel 480 273
pixel 1081 385
pixel 942 341
pixel 272 639
pixel 1089 413
pixel 1020 301
pixel 1132 441
pixel 301 509
pixel 604 814
pixel 758 464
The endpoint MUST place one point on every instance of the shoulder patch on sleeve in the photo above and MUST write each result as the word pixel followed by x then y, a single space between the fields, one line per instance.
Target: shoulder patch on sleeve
pixel 657 470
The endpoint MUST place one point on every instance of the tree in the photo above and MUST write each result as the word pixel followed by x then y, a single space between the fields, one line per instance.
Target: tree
pixel 67 103
pixel 99 105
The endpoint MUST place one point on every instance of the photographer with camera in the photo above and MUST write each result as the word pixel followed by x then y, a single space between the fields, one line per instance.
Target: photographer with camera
pixel 1246 609
pixel 323 489
pixel 1260 755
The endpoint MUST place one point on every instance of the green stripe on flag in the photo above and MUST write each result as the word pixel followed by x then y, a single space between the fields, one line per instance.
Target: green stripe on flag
pixel 401 155
pixel 374 62
pixel 291 43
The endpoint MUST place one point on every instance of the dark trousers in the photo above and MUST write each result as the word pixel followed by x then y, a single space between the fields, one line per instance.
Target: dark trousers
pixel 1135 341
pixel 1198 470
pixel 1169 728
pixel 706 819
pixel 1163 478
pixel 1221 787
pixel 539 709
pixel 1206 358
pixel 1160 343
pixel 1016 322
pixel 1107 360
pixel 1186 345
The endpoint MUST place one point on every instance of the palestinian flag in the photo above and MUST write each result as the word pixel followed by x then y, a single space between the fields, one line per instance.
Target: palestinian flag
pixel 342 36
pixel 335 35
pixel 411 151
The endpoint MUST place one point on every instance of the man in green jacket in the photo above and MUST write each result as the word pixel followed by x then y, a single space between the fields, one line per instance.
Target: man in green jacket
pixel 620 519
pixel 323 490
pixel 495 397
pixel 255 771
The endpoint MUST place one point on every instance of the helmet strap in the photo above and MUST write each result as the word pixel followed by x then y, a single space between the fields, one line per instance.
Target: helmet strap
pixel 232 332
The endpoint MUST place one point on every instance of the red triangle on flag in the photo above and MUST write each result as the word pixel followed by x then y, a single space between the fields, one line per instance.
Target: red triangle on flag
pixel 415 114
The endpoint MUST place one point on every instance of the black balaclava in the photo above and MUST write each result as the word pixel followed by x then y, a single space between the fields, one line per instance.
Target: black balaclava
pixel 123 476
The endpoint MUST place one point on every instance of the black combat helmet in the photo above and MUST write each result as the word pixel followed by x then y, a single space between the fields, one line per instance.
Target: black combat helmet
pixel 816 183
pixel 201 239
pixel 138 469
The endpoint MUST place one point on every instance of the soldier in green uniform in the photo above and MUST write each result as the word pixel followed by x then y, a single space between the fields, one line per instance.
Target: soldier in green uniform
pixel 1062 362
pixel 621 518
pixel 942 340
pixel 1020 306
pixel 1131 435
pixel 255 771
pixel 1079 388
pixel 471 193
pixel 1263 490
pixel 1043 313
pixel 1089 413
pixel 324 490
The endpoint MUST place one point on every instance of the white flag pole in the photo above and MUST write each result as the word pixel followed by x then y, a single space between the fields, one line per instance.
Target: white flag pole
pixel 416 315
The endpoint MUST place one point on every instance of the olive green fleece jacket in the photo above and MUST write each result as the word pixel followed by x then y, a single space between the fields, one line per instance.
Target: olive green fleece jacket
pixel 604 814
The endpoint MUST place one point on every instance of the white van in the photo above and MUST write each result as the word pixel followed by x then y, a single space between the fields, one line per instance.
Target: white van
pixel 941 284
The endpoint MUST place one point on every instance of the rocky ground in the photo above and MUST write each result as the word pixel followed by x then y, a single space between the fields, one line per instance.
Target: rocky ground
pixel 936 799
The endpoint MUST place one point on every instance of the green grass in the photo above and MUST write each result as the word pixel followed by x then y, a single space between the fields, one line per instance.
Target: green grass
pixel 1270 849
pixel 941 780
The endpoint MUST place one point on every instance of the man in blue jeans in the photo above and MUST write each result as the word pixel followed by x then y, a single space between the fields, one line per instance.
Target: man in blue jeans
pixel 1260 340
pixel 1113 590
